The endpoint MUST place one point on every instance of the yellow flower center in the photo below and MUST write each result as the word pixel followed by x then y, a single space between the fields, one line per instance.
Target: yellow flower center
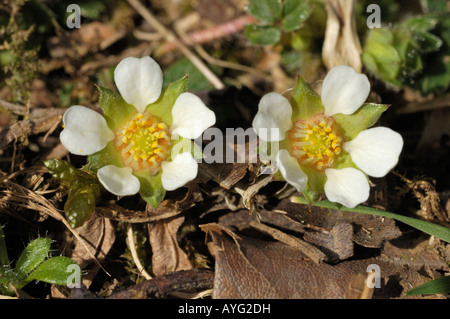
pixel 144 142
pixel 315 142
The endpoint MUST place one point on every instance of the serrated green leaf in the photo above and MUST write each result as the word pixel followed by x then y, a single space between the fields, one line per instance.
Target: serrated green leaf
pixel 426 42
pixel 380 57
pixel 163 107
pixel 32 256
pixel 419 24
pixel 366 116
pixel 53 271
pixel 437 286
pixel 266 11
pixel 295 13
pixel 115 110
pixel 305 101
pixel 437 76
pixel 262 35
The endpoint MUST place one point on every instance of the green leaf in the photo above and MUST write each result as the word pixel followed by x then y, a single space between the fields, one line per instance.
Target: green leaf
pixel 437 77
pixel 305 101
pixel 61 170
pixel 366 116
pixel 163 107
pixel 115 110
pixel 84 188
pixel 32 256
pixel 267 11
pixel 437 286
pixel 262 35
pixel 151 189
pixel 295 12
pixel 438 231
pixel 380 57
pixel 80 204
pixel 419 24
pixel 197 81
pixel 53 271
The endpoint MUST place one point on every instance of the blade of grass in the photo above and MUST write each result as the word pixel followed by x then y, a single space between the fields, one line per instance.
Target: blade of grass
pixel 438 231
pixel 437 286
pixel 4 259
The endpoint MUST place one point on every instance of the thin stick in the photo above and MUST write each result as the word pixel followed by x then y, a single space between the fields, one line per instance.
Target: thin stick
pixel 214 33
pixel 171 37
pixel 230 65
pixel 132 246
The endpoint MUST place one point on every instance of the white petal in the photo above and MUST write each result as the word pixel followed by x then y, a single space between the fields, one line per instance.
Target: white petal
pixel 376 150
pixel 85 131
pixel 274 113
pixel 139 81
pixel 347 186
pixel 291 171
pixel 190 116
pixel 177 173
pixel 344 90
pixel 118 180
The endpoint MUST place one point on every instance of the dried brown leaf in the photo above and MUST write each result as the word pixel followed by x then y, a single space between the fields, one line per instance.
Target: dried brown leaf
pixel 167 255
pixel 99 235
pixel 338 243
pixel 251 268
pixel 369 231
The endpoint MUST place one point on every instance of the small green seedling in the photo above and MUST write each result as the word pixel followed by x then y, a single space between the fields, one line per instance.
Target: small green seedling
pixel 33 264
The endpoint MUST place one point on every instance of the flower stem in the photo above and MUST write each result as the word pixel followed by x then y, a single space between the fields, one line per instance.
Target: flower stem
pixel 438 231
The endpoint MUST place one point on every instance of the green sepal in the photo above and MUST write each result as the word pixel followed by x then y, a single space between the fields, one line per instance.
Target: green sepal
pixel 295 12
pixel 305 101
pixel 182 145
pixel 262 34
pixel 366 116
pixel 115 110
pixel 107 156
pixel 151 189
pixel 266 11
pixel 162 108
pixel 53 271
pixel 32 256
pixel 316 182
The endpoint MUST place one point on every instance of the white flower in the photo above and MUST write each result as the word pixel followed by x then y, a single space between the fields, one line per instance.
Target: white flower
pixel 139 82
pixel 375 150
